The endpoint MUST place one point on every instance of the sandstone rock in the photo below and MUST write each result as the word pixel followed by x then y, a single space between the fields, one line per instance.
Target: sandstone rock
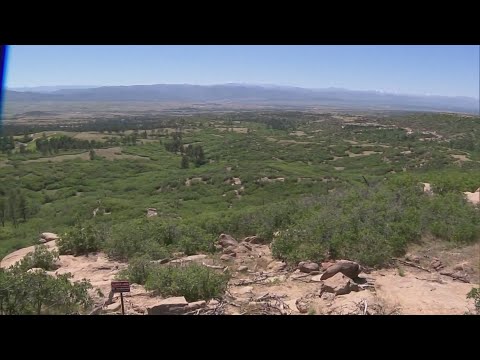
pixel 47 236
pixel 226 240
pixel 196 305
pixel 178 254
pixel 189 259
pixel 314 272
pixel 316 278
pixel 326 265
pixel 173 305
pixel 226 257
pixel 277 266
pixel 347 268
pixel 42 241
pixel 339 284
pixel 218 247
pixel 308 267
pixel 151 212
pixel 254 240
pixel 242 268
pixel 114 307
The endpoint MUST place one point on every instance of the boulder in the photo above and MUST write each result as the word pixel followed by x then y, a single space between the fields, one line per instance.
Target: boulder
pixel 172 305
pixel 190 258
pixel 308 267
pixel 338 284
pixel 151 212
pixel 254 240
pixel 227 240
pixel 302 306
pixel 242 268
pixel 316 278
pixel 347 268
pixel 42 241
pixel 47 236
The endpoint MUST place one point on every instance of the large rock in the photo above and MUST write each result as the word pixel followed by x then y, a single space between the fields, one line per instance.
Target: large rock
pixel 338 284
pixel 195 258
pixel 308 267
pixel 169 306
pixel 47 236
pixel 227 240
pixel 226 257
pixel 347 268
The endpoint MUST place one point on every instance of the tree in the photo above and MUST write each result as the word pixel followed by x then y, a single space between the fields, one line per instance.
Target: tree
pixel 185 162
pixel 3 211
pixel 22 206
pixel 92 154
pixel 12 207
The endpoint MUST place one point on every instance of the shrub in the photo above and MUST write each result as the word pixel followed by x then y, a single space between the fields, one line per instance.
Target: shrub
pixel 84 238
pixel 23 293
pixel 138 270
pixel 194 282
pixel 41 257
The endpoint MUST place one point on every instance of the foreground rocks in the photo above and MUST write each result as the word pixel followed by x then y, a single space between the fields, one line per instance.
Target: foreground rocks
pixel 47 236
pixel 347 268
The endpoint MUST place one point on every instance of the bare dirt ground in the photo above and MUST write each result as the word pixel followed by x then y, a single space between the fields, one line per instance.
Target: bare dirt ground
pixel 262 285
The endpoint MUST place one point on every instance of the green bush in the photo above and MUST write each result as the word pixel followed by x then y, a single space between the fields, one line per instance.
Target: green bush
pixel 41 257
pixel 24 293
pixel 194 282
pixel 451 218
pixel 138 270
pixel 475 295
pixel 82 239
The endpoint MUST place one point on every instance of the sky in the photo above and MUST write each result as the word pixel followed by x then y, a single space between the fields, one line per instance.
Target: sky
pixel 435 70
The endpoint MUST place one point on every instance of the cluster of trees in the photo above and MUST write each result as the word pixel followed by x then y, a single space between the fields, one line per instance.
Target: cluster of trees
pixel 7 143
pixel 189 152
pixel 55 144
pixel 13 207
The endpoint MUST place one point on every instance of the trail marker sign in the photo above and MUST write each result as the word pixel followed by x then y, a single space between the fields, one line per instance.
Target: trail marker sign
pixel 121 287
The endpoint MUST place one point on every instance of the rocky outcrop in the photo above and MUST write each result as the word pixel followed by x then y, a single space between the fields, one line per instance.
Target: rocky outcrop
pixel 47 236
pixel 225 240
pixel 151 212
pixel 347 268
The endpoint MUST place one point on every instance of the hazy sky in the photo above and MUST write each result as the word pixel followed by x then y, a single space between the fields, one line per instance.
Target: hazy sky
pixel 438 70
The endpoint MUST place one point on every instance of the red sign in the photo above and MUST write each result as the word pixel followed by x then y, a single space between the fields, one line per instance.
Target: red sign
pixel 120 286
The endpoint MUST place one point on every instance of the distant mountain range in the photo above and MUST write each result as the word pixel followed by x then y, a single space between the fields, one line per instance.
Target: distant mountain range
pixel 247 94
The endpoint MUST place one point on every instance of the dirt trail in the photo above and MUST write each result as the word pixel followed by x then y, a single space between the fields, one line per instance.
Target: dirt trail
pixel 262 285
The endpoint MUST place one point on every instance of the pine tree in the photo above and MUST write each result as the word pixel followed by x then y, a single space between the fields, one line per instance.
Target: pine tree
pixel 185 162
pixel 22 206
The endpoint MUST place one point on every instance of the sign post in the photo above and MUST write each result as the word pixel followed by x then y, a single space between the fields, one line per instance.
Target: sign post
pixel 121 287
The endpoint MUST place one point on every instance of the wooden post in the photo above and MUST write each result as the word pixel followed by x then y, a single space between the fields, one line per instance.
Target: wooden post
pixel 121 298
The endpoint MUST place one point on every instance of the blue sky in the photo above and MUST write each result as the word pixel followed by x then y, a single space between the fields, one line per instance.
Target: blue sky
pixel 438 70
